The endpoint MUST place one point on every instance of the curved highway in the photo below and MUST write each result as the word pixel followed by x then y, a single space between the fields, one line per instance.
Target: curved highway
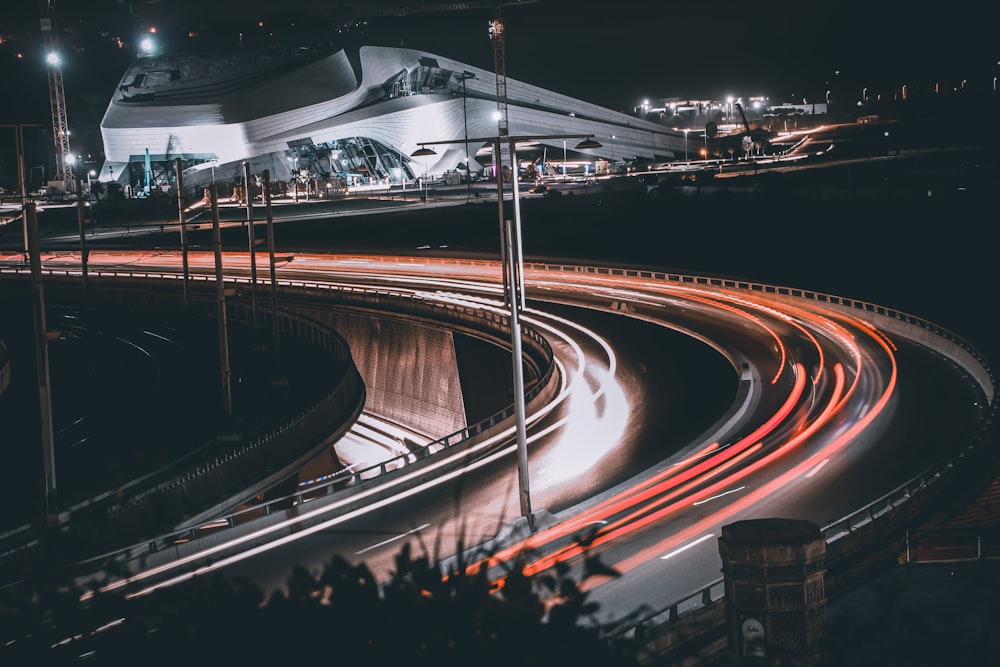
pixel 786 406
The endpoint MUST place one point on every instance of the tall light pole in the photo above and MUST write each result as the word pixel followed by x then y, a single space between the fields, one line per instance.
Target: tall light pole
pixel 513 279
pixel 83 237
pixel 270 253
pixel 465 121
pixel 252 239
pixel 42 362
pixel 21 178
pixel 564 161
pixel 423 153
pixel 220 311
pixel 182 223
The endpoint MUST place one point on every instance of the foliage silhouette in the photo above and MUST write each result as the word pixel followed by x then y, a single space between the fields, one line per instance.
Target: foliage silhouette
pixel 425 614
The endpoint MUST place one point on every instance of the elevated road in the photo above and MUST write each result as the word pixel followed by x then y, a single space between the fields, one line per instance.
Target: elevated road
pixel 828 405
pixel 913 395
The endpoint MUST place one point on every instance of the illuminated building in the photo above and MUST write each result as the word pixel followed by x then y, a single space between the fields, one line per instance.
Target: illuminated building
pixel 357 115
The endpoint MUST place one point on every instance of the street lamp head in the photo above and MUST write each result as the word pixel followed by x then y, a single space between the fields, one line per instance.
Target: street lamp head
pixel 423 151
pixel 588 143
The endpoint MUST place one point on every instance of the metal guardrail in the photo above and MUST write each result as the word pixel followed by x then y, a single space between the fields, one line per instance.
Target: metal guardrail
pixel 953 544
pixel 328 404
pixel 539 354
pixel 847 525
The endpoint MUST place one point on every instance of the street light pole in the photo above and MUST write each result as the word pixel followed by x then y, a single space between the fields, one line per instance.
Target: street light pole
pixel 252 236
pixel 21 179
pixel 182 223
pixel 465 121
pixel 83 238
pixel 564 161
pixel 270 252
pixel 513 280
pixel 42 359
pixel 220 298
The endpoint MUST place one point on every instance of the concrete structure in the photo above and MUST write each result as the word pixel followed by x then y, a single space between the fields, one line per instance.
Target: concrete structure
pixel 344 117
pixel 775 595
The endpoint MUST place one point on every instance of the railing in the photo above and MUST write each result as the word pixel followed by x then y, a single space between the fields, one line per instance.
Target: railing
pixel 538 353
pixel 206 474
pixel 953 544
pixel 700 601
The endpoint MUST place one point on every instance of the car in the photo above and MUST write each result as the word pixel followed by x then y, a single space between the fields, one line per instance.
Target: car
pixel 540 189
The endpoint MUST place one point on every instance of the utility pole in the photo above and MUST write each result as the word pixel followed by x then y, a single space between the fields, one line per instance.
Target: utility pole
pixel 83 234
pixel 182 223
pixel 57 97
pixel 220 299
pixel 510 250
pixel 42 358
pixel 21 177
pixel 270 252
pixel 252 239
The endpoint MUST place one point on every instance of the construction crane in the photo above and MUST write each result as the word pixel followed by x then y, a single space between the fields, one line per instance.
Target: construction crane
pixel 497 34
pixel 57 97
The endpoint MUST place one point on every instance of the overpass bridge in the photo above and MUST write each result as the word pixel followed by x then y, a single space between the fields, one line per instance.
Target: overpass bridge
pixel 328 382
pixel 855 541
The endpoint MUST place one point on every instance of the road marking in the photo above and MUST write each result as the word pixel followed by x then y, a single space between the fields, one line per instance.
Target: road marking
pixel 688 546
pixel 817 468
pixel 724 493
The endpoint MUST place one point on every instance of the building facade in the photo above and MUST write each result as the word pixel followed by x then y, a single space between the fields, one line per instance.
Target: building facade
pixel 344 117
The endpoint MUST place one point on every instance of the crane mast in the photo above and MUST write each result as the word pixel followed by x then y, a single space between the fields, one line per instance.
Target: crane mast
pixel 57 97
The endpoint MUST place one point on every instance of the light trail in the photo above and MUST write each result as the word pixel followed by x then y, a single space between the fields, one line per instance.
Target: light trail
pixel 763 451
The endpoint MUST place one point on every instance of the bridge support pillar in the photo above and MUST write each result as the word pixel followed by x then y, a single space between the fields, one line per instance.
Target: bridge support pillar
pixel 775 595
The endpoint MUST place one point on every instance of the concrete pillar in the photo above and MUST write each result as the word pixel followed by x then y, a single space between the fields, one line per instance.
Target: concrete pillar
pixel 775 594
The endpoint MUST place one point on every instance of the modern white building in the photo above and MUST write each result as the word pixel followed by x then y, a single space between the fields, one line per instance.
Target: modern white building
pixel 354 115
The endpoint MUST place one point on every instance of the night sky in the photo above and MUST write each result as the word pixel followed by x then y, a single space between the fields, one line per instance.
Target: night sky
pixel 611 53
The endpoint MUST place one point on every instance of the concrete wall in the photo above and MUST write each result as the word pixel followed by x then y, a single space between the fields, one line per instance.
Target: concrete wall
pixel 410 370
